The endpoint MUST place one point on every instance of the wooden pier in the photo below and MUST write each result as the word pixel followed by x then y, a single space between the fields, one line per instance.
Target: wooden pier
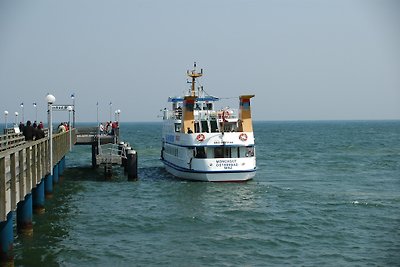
pixel 26 178
pixel 27 175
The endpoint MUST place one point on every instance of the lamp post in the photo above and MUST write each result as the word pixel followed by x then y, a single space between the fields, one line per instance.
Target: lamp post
pixel 5 120
pixel 110 110
pixel 35 106
pixel 73 109
pixel 5 117
pixel 50 100
pixel 69 108
pixel 16 118
pixel 117 113
pixel 22 107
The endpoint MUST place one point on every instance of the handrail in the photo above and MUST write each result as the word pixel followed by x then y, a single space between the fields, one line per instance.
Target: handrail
pixel 12 139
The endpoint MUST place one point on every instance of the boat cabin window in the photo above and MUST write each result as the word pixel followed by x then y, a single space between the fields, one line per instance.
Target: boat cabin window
pixel 178 113
pixel 204 126
pixel 177 127
pixel 232 152
pixel 196 127
pixel 214 126
pixel 218 152
pixel 250 151
pixel 244 152
pixel 200 152
pixel 222 152
pixel 230 127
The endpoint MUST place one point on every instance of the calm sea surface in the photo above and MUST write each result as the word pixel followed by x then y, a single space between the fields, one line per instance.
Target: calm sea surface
pixel 325 194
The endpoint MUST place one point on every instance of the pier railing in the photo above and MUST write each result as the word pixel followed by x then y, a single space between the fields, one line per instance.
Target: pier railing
pixel 24 164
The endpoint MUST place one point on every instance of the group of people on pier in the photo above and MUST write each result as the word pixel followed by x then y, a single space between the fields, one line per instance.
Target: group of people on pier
pixel 63 127
pixel 32 131
pixel 108 128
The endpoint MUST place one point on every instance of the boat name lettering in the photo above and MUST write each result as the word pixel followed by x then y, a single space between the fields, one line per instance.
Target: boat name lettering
pixel 224 142
pixel 226 163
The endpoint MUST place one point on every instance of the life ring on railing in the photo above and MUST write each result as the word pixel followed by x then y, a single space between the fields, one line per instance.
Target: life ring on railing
pixel 243 137
pixel 200 137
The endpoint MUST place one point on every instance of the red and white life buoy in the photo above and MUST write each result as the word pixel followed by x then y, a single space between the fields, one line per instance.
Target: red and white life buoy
pixel 243 137
pixel 200 137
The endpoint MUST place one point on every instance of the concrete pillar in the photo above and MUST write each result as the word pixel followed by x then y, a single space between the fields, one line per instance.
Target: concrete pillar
pixel 56 177
pixel 120 146
pixel 38 197
pixel 61 167
pixel 94 154
pixel 24 215
pixel 124 160
pixel 132 165
pixel 7 241
pixel 48 186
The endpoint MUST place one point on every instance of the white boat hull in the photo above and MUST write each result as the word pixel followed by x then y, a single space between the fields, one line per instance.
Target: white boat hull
pixel 221 176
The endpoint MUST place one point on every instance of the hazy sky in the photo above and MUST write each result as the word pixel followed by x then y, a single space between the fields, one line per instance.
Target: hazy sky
pixel 304 60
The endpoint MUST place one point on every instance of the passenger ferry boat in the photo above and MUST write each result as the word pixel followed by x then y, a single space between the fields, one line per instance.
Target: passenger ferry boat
pixel 201 143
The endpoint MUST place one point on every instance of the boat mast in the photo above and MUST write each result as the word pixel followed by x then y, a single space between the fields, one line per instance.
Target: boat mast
pixel 193 74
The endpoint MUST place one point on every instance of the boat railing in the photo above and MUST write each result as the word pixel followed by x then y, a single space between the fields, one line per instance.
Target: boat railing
pixel 110 154
pixel 227 114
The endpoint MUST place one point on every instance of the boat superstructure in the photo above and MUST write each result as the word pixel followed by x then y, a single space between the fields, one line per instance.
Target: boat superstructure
pixel 202 143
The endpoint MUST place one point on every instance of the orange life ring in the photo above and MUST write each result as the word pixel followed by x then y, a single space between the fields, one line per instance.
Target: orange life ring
pixel 200 137
pixel 243 137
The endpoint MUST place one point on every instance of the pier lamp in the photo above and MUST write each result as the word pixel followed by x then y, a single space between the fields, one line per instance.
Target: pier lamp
pixel 110 110
pixel 16 118
pixel 50 100
pixel 118 112
pixel 73 109
pixel 69 108
pixel 5 119
pixel 22 108
pixel 35 106
pixel 5 122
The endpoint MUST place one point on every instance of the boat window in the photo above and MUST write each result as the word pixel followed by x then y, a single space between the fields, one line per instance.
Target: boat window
pixel 222 152
pixel 218 152
pixel 200 152
pixel 227 152
pixel 177 127
pixel 249 151
pixel 204 126
pixel 196 127
pixel 214 126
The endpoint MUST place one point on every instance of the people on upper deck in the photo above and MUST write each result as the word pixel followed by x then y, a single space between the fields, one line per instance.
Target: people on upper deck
pixel 41 126
pixel 28 131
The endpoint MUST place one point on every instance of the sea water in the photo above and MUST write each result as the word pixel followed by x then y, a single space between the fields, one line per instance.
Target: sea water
pixel 325 194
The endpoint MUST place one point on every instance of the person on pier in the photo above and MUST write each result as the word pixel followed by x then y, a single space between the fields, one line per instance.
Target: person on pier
pixel 28 131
